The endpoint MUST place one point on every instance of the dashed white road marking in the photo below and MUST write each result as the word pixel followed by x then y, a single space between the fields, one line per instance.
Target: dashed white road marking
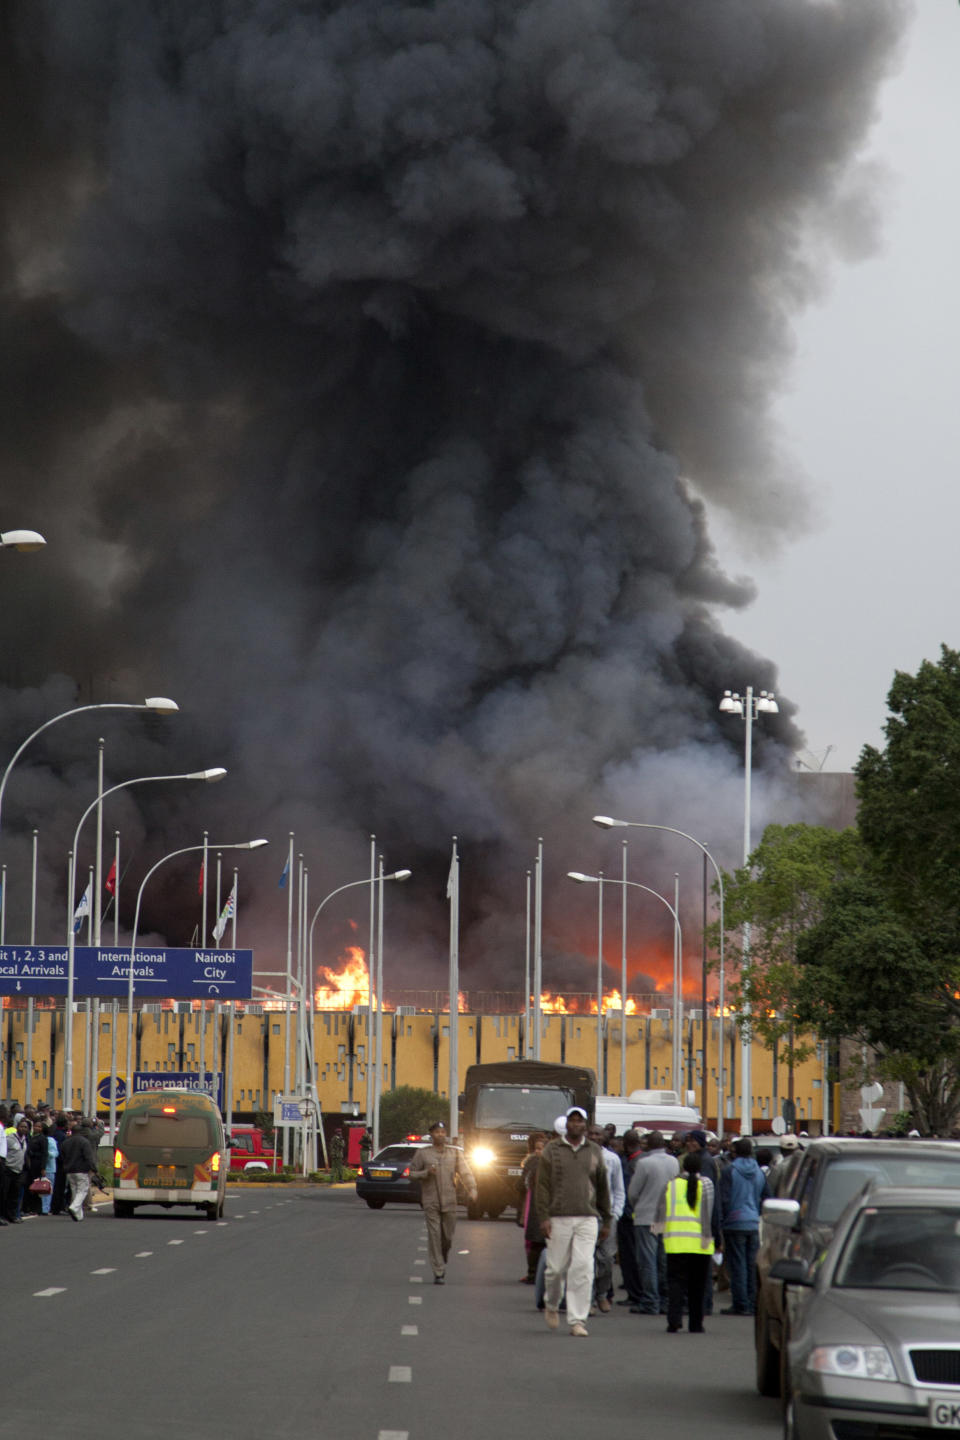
pixel 414 1299
pixel 415 1279
pixel 463 1252
pixel 200 1232
pixel 142 1254
pixel 393 1434
pixel 222 1223
pixel 54 1290
pixel 108 1270
pixel 174 1242
pixel 409 1329
pixel 402 1374
pixel 419 1262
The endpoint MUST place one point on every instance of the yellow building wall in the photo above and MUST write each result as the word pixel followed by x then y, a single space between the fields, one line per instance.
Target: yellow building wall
pixel 415 1052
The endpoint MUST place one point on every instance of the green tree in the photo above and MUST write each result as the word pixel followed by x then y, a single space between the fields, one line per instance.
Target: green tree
pixel 409 1111
pixel 780 894
pixel 881 964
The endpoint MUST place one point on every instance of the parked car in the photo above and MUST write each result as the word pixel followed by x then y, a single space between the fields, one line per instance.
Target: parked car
pixel 875 1348
pixel 799 1222
pixel 386 1176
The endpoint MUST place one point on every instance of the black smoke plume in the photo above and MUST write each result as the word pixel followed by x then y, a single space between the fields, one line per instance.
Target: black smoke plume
pixel 372 370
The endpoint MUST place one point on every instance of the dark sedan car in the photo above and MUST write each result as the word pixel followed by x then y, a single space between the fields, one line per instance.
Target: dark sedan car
pixel 386 1176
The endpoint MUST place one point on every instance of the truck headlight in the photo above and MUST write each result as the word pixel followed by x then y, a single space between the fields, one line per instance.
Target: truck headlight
pixel 860 1362
pixel 482 1157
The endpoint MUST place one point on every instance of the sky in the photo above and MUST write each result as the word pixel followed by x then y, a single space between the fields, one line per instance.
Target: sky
pixel 872 416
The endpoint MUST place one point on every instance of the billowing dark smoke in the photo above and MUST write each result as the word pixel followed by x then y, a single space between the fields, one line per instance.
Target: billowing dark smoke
pixel 371 368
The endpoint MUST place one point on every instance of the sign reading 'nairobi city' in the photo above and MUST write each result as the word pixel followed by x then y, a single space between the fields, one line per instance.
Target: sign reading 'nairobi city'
pixel 104 972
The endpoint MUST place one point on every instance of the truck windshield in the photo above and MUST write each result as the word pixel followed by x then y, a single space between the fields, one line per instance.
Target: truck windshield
pixel 533 1106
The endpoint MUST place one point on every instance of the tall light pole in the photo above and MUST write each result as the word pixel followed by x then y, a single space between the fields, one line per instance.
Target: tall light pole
pixel 676 1060
pixel 748 706
pixel 159 704
pixel 209 776
pixel 607 822
pixel 239 845
pixel 372 881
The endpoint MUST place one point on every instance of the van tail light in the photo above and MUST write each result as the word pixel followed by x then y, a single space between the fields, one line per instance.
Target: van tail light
pixel 215 1163
pixel 118 1160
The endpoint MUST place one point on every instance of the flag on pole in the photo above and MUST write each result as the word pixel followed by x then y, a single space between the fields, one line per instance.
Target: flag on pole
pixel 82 910
pixel 282 883
pixel 226 914
pixel 110 884
pixel 200 881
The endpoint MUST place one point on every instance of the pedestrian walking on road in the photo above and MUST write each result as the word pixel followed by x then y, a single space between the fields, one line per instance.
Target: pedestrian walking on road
pixel 690 1238
pixel 653 1171
pixel 573 1203
pixel 439 1167
pixel 79 1163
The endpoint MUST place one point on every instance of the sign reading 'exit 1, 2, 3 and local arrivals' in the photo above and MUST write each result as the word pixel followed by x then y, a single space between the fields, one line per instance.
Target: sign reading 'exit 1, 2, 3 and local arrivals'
pixel 102 972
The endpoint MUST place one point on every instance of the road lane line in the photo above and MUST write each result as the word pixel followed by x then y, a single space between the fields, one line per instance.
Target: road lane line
pixel 419 1262
pixel 174 1242
pixel 415 1279
pixel 54 1290
pixel 409 1329
pixel 109 1270
pixel 393 1435
pixel 401 1374
pixel 142 1254
pixel 414 1299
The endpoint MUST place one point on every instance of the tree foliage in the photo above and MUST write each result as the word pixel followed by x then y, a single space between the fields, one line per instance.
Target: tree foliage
pixel 409 1110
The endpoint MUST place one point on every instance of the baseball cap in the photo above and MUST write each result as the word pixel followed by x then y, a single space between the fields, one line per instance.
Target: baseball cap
pixel 560 1125
pixel 576 1110
pixel 789 1142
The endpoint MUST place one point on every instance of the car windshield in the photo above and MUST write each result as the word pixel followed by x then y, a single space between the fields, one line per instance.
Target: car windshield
pixel 910 1249
pixel 393 1154
pixel 525 1105
pixel 844 1178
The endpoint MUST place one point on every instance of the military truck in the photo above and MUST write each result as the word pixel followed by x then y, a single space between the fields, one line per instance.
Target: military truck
pixel 502 1104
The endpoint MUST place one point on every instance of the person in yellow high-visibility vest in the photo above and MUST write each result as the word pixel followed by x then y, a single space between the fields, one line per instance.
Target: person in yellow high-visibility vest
pixel 688 1223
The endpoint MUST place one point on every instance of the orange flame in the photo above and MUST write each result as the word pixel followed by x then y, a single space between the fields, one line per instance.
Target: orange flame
pixel 346 987
pixel 613 1002
pixel 553 1004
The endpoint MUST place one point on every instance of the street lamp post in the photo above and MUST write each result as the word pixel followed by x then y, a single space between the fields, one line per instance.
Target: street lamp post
pixel 607 822
pixel 209 776
pixel 400 875
pixel 748 707
pixel 159 704
pixel 22 539
pixel 676 1061
pixel 238 845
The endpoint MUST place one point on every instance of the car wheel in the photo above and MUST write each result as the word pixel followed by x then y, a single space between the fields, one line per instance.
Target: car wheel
pixel 122 1209
pixel 211 1210
pixel 768 1359
pixel 474 1211
pixel 376 1204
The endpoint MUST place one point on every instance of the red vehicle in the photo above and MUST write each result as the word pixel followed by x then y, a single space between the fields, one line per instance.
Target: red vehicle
pixel 249 1150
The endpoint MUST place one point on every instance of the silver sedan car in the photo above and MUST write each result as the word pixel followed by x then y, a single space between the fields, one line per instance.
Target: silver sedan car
pixel 876 1349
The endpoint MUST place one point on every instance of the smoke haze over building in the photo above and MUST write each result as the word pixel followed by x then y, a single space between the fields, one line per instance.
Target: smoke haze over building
pixel 372 371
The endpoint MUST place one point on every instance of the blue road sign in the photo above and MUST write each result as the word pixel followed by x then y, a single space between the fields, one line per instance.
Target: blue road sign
pixel 103 972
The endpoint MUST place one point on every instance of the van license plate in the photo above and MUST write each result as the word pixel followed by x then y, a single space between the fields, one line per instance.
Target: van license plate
pixel 944 1414
pixel 167 1175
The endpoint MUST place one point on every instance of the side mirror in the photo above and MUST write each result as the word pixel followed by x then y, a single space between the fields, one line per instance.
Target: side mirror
pixel 791 1272
pixel 785 1214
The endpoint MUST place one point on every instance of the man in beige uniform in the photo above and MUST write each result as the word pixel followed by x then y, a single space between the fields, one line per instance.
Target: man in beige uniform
pixel 437 1168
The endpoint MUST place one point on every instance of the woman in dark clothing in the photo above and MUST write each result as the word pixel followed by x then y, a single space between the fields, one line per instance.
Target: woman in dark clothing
pixel 532 1234
pixel 34 1166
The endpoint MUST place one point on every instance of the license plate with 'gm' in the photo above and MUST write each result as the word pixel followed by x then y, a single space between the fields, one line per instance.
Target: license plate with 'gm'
pixel 945 1414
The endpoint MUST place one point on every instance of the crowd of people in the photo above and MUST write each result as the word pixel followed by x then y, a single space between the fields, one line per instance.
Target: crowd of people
pixel 682 1216
pixel 48 1160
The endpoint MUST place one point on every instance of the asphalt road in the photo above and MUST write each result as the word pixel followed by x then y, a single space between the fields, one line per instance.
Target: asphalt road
pixel 306 1314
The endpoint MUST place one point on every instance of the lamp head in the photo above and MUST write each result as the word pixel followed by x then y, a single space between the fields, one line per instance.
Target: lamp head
pixel 582 879
pixel 217 773
pixel 607 822
pixel 22 539
pixel 252 844
pixel 399 875
pixel 731 704
pixel 161 705
pixel 767 703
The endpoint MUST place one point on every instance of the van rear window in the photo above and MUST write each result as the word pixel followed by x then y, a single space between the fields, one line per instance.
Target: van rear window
pixel 190 1131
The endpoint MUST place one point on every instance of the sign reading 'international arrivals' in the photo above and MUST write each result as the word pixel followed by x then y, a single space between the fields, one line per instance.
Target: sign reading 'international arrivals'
pixel 103 972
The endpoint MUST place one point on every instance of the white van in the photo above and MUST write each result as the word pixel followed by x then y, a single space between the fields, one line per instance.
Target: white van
pixel 643 1110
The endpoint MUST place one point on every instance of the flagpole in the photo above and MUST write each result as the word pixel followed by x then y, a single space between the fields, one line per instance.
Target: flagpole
pixel 378 1077
pixel 33 941
pixel 526 978
pixel 371 961
pixel 115 1004
pixel 538 950
pixel 231 1016
pixel 286 1003
pixel 453 893
pixel 87 1015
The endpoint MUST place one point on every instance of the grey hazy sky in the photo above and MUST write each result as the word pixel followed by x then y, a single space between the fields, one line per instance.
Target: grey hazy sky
pixel 873 416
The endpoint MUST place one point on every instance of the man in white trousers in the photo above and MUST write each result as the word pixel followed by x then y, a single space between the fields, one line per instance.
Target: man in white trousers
pixel 573 1207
